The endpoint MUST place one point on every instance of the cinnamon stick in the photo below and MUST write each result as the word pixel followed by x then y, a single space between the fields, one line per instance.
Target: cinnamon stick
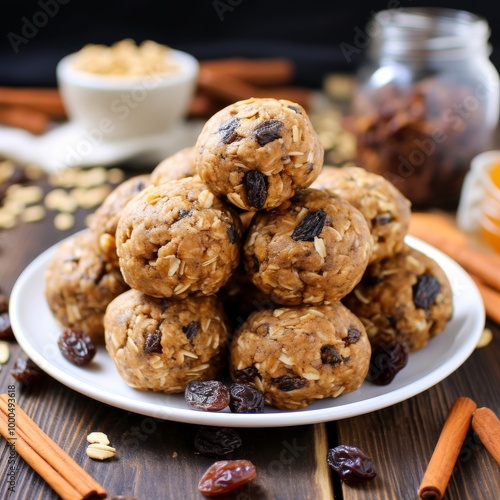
pixel 491 299
pixel 231 89
pixel 261 72
pixel 32 120
pixel 487 426
pixel 438 473
pixel 46 100
pixel 442 234
pixel 55 466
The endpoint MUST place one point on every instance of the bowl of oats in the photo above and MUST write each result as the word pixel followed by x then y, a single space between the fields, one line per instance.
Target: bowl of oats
pixel 127 90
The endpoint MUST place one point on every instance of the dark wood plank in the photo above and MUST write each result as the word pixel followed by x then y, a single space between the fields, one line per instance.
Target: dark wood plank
pixel 401 438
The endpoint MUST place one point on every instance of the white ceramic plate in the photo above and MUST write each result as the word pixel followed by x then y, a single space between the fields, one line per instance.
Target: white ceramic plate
pixel 37 332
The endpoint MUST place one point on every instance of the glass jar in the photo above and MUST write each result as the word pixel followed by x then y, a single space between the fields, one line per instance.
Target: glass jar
pixel 427 101
pixel 489 214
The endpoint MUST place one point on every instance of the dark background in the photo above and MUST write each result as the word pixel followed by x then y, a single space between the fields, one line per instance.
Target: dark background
pixel 308 32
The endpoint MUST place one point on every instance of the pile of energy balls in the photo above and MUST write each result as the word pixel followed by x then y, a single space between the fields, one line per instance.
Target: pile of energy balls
pixel 244 255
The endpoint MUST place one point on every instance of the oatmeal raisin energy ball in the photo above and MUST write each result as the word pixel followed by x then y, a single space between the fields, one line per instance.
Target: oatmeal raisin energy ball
pixel 313 249
pixel 301 354
pixel 178 239
pixel 258 152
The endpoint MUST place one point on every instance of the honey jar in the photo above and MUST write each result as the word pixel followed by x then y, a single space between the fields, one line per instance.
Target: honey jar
pixel 427 101
pixel 489 214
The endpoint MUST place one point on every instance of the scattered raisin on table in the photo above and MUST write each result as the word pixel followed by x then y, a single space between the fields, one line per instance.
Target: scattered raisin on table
pixel 387 359
pixel 207 395
pixel 26 372
pixel 216 441
pixel 76 346
pixel 225 476
pixel 353 466
pixel 245 399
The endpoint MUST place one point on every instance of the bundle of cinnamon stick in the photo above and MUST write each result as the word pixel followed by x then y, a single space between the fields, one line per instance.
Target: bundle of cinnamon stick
pixel 482 264
pixel 67 478
pixel 220 83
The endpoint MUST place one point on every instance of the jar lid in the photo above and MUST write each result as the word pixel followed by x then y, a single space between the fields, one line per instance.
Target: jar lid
pixel 429 31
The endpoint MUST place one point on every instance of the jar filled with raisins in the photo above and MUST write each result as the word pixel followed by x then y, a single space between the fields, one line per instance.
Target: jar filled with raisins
pixel 427 101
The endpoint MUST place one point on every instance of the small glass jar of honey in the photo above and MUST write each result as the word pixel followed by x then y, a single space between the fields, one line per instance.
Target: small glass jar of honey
pixel 489 215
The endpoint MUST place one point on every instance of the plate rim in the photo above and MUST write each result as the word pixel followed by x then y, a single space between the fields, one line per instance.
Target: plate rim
pixel 276 418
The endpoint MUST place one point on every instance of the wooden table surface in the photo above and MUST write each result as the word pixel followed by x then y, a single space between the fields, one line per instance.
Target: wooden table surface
pixel 157 460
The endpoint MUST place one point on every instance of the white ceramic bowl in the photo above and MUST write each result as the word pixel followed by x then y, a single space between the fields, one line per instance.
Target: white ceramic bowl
pixel 118 107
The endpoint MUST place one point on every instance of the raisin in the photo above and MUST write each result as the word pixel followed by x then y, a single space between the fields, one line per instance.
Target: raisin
pixel 227 131
pixel 310 226
pixel 387 359
pixel 371 280
pixel 139 185
pixel 76 346
pixel 425 291
pixel 191 330
pixel 353 335
pixel 216 441
pixel 245 399
pixel 225 476
pixel 256 188
pixel 5 326
pixel 268 131
pixel 382 219
pixel 182 214
pixel 295 108
pixel 246 375
pixel 353 466
pixel 330 356
pixel 25 371
pixel 231 233
pixel 287 384
pixel 153 343
pixel 256 263
pixel 207 395
pixel 163 305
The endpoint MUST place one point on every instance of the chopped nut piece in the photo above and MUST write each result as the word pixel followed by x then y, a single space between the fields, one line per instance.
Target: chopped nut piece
pixel 29 194
pixel 59 199
pixel 485 339
pixel 4 352
pixel 7 220
pixel 100 451
pixel 33 213
pixel 115 175
pixel 98 437
pixel 64 221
